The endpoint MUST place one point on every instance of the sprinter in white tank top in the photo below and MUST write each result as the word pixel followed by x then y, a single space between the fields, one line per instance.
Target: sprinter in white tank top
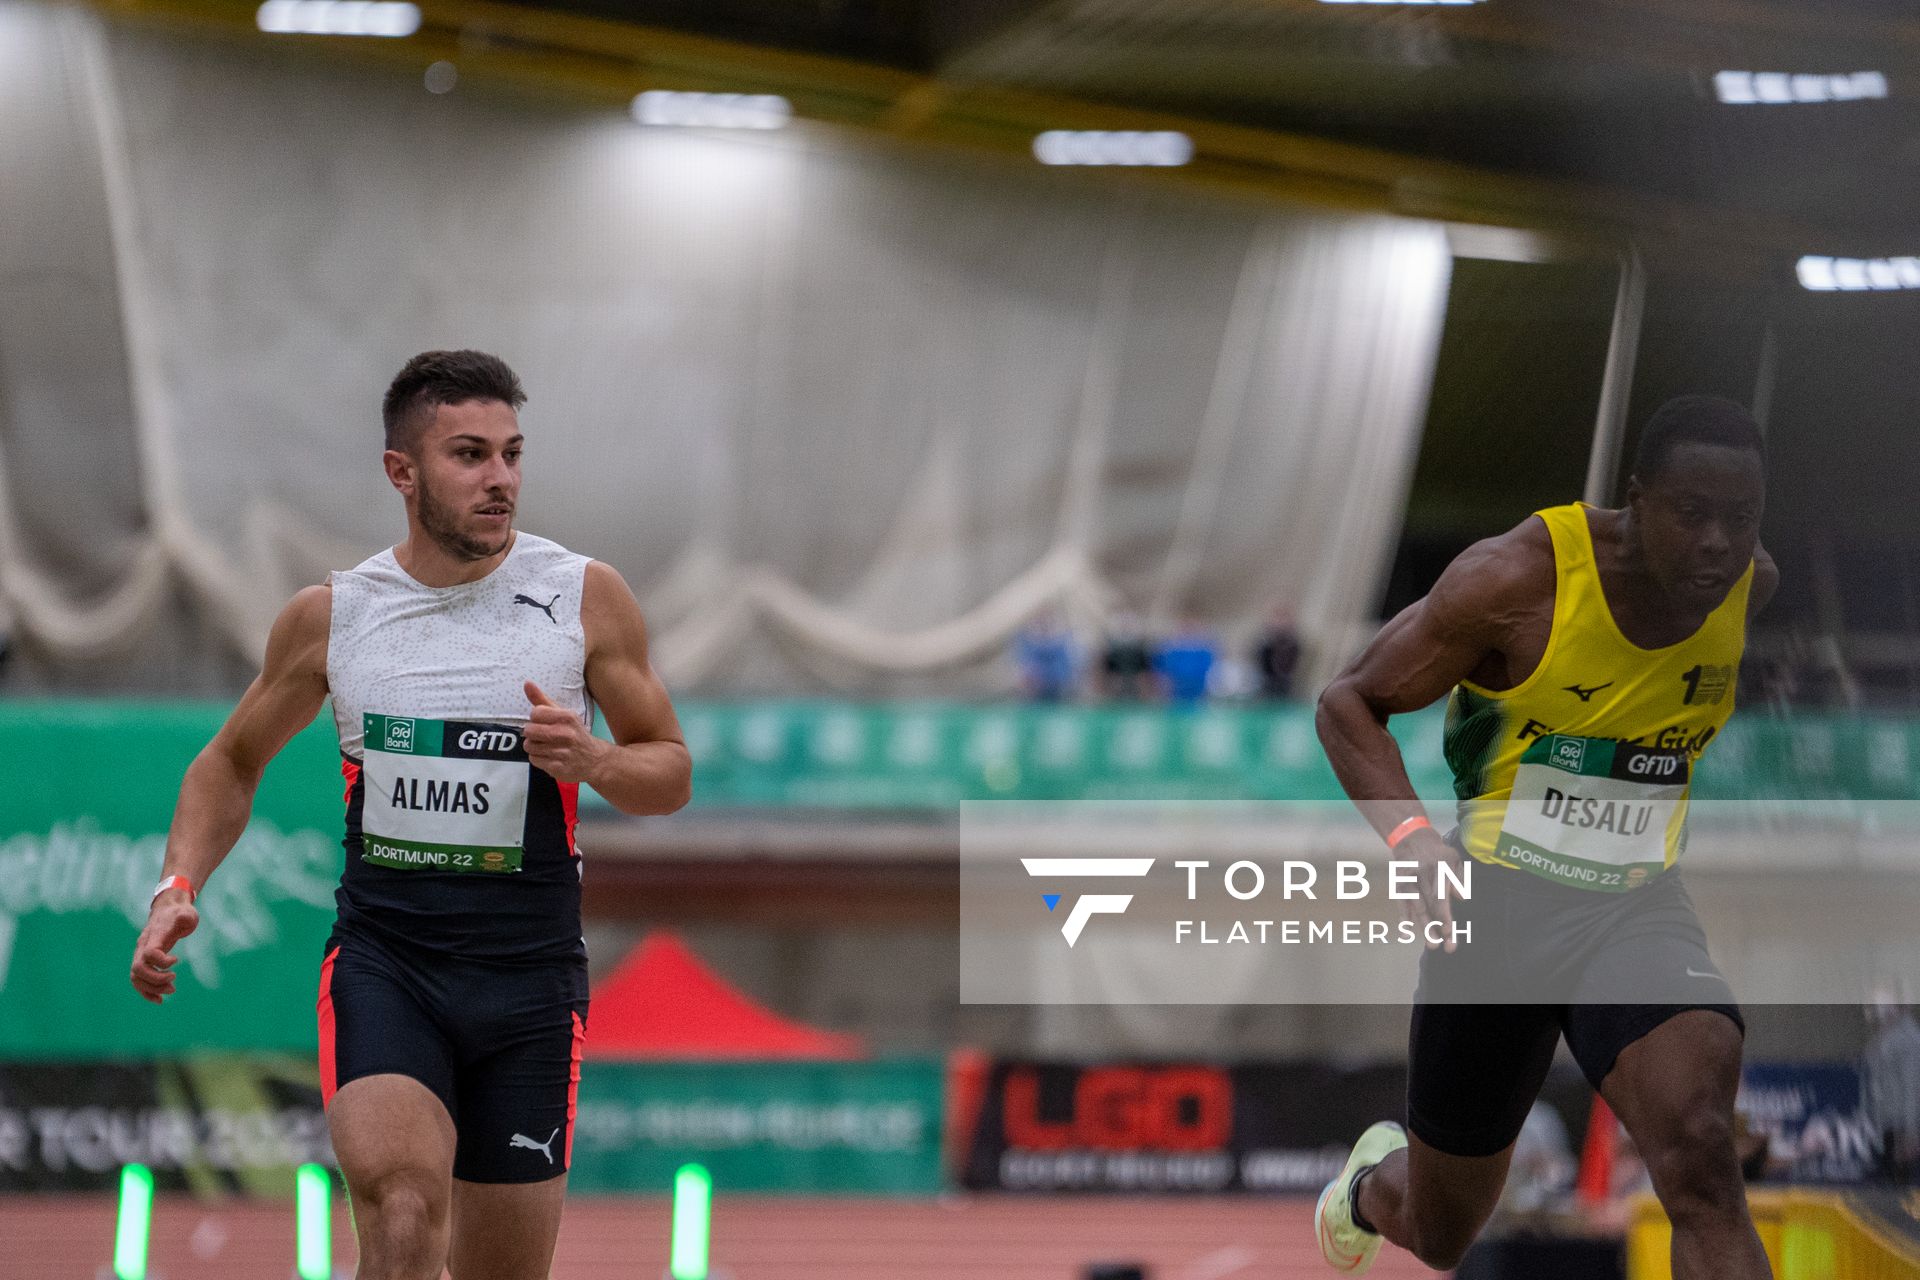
pixel 465 665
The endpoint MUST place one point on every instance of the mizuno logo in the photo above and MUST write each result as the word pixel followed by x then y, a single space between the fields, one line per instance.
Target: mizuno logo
pixel 1088 905
pixel 1586 695
pixel 544 1148
pixel 546 608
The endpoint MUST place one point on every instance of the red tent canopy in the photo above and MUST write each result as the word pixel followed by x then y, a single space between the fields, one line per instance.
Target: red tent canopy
pixel 662 1002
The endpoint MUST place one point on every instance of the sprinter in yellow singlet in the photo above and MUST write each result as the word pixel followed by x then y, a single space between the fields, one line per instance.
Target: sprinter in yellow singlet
pixel 1590 656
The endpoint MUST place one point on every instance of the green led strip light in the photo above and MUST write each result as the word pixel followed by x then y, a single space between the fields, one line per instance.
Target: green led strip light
pixel 136 1222
pixel 313 1222
pixel 692 1222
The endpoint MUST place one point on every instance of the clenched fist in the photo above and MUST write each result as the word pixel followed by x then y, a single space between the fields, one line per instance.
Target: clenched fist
pixel 558 742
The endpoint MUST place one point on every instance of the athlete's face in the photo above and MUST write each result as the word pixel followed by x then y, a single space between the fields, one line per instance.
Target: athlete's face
pixel 466 478
pixel 1699 521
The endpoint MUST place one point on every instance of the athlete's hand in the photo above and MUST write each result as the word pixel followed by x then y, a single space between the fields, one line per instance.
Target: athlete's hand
pixel 171 919
pixel 1429 848
pixel 557 742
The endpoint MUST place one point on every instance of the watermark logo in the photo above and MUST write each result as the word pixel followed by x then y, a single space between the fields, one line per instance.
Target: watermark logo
pixel 1087 905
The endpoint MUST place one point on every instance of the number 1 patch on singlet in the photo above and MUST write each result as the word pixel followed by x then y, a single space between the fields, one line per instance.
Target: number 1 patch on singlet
pixel 443 795
pixel 1594 813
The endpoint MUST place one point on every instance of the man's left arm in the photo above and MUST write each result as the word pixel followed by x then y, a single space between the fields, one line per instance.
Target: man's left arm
pixel 646 768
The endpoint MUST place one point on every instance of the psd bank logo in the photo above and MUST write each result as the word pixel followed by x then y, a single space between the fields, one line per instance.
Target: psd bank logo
pixel 1087 905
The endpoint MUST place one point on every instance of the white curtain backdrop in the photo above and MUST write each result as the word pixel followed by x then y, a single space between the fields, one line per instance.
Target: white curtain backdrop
pixel 846 414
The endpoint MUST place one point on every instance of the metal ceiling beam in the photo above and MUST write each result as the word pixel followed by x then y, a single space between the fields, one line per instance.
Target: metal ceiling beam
pixel 1805 25
pixel 1616 381
pixel 607 63
pixel 916 108
pixel 1702 36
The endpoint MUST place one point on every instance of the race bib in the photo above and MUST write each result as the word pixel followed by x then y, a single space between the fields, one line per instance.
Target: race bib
pixel 1594 813
pixel 443 795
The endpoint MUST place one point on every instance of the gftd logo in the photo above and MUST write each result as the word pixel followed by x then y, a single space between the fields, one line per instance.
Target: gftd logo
pixel 1087 905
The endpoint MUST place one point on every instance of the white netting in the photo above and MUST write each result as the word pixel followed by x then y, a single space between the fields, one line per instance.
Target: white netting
pixel 843 412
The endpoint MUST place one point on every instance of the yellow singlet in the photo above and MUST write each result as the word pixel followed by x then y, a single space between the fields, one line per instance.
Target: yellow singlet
pixel 1580 773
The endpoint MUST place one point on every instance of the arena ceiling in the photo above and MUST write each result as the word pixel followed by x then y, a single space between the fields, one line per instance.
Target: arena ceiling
pixel 1612 93
pixel 1590 117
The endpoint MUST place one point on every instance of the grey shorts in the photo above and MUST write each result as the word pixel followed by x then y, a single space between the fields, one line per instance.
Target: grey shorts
pixel 1539 942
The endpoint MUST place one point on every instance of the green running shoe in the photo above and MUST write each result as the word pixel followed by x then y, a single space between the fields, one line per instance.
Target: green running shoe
pixel 1345 1246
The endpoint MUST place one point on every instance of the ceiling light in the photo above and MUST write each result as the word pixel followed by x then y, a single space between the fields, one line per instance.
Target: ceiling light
pixel 1161 148
pixel 1399 1
pixel 1855 275
pixel 712 110
pixel 338 18
pixel 1742 88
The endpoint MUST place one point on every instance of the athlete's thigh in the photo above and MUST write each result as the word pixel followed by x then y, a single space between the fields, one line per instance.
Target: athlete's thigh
pixel 519 1074
pixel 505 1230
pixel 1674 1083
pixel 1474 1071
pixel 1651 952
pixel 1652 968
pixel 386 1074
pixel 377 1019
pixel 516 1131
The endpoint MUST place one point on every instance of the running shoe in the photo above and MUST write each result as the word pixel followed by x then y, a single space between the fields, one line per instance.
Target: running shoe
pixel 1346 1247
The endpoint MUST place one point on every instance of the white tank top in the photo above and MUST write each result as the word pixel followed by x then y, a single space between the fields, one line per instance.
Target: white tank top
pixel 397 646
pixel 455 842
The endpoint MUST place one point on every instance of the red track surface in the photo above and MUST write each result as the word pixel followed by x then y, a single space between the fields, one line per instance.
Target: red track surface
pixel 964 1238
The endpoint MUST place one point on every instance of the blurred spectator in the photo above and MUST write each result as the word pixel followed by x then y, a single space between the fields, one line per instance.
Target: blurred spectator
pixel 1049 659
pixel 1541 1174
pixel 1126 666
pixel 1185 660
pixel 1277 654
pixel 1232 679
pixel 1779 685
pixel 1825 679
pixel 1890 1083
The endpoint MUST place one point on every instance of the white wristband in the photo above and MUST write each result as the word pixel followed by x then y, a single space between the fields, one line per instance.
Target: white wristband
pixel 171 882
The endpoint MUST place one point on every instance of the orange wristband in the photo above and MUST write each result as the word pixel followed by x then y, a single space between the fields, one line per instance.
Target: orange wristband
pixel 173 882
pixel 1407 828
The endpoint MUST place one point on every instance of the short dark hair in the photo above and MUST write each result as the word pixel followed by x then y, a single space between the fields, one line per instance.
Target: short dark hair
pixel 1694 420
pixel 434 378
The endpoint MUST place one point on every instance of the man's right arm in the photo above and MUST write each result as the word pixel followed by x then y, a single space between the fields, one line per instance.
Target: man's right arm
pixel 1419 656
pixel 1415 660
pixel 216 797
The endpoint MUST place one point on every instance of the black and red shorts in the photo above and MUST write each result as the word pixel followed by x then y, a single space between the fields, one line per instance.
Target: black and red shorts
pixel 498 1044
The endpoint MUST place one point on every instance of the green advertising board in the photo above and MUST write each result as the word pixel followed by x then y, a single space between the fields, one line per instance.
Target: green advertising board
pixel 935 755
pixel 821 1127
pixel 85 800
pixel 87 792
